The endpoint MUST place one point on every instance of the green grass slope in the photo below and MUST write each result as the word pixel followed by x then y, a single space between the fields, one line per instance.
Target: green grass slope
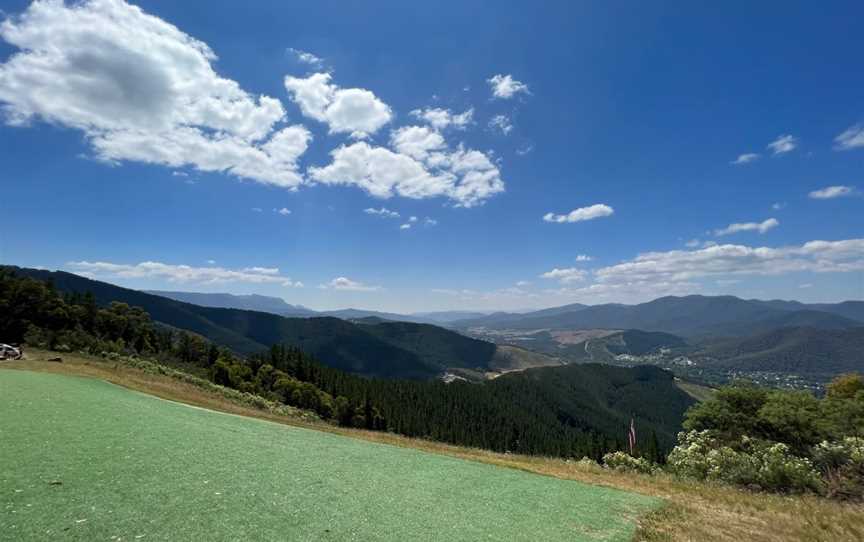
pixel 86 460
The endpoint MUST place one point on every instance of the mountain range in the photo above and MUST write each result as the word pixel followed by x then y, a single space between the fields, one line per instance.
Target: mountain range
pixel 688 316
pixel 369 346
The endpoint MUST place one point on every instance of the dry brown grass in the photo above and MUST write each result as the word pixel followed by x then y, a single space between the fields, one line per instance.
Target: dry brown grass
pixel 695 511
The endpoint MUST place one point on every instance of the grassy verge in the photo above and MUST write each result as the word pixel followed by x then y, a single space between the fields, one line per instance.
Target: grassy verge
pixel 694 511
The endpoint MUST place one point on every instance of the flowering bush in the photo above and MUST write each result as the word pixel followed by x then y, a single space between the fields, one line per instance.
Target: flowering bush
pixel 755 463
pixel 621 461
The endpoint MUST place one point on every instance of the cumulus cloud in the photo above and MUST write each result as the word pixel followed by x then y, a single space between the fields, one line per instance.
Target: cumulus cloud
pixel 417 141
pixel 430 221
pixel 745 158
pixel 345 110
pixel 182 273
pixel 406 226
pixel 852 138
pixel 141 90
pixel 466 176
pixel 307 58
pixel 505 87
pixel 501 123
pixel 346 284
pixel 440 118
pixel 583 258
pixel 778 205
pixel 566 275
pixel 284 211
pixel 761 227
pixel 383 212
pixel 783 144
pixel 830 192
pixel 583 213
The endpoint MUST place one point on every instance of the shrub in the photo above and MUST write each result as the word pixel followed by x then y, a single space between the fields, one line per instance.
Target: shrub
pixel 753 463
pixel 622 461
pixel 842 466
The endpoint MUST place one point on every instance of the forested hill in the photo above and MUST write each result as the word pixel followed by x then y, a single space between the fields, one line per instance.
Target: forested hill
pixel 384 349
pixel 799 350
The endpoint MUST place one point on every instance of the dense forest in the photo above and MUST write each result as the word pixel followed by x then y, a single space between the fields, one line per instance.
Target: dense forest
pixel 569 411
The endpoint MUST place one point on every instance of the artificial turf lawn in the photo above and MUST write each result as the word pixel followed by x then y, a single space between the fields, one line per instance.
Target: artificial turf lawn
pixel 83 459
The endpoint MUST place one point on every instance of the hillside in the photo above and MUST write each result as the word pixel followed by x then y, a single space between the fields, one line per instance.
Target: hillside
pixel 799 350
pixel 386 349
pixel 368 346
pixel 252 302
pixel 152 467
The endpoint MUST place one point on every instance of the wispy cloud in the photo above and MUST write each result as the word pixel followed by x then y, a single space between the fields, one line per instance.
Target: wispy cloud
pixel 183 273
pixel 745 158
pixel 566 275
pixel 346 284
pixel 597 210
pixel 307 58
pixel 284 211
pixel 852 138
pixel 501 123
pixel 831 192
pixel 783 144
pixel 383 212
pixel 738 227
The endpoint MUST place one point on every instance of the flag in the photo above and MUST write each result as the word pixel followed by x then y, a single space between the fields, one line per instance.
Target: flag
pixel 631 436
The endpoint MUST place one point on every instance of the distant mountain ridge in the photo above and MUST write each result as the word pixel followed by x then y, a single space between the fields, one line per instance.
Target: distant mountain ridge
pixel 382 349
pixel 252 302
pixel 686 316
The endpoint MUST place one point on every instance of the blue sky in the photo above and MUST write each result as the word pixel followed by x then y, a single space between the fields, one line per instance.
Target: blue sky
pixel 154 147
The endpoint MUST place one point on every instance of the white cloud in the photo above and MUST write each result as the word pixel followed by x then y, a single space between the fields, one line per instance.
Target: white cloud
pixel 416 141
pixel 412 219
pixel 852 138
pixel 583 213
pixel 505 87
pixel 523 283
pixel 745 158
pixel 345 110
pixel 830 192
pixel 179 174
pixel 182 273
pixel 346 284
pixel 257 210
pixel 735 260
pixel 440 118
pixel 141 90
pixel 211 262
pixel 566 275
pixel 383 212
pixel 430 221
pixel 522 151
pixel 778 205
pixel 284 211
pixel 501 123
pixel 307 58
pixel 805 285
pixel 405 226
pixel 693 243
pixel 466 176
pixel 783 144
pixel 583 258
pixel 761 227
